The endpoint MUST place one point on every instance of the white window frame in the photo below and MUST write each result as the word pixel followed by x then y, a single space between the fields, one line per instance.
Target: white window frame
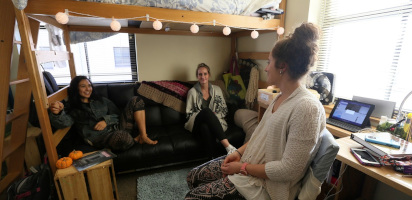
pixel 374 75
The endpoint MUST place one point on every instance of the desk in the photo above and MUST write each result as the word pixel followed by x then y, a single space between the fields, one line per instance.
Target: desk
pixel 355 171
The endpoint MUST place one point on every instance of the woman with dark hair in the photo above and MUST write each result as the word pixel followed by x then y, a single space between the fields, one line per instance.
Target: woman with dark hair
pixel 206 110
pixel 98 120
pixel 272 164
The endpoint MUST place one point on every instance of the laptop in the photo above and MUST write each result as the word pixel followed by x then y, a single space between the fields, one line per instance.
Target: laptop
pixel 382 107
pixel 350 115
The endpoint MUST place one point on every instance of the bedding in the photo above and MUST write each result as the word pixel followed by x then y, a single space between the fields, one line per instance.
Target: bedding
pixel 169 93
pixel 233 7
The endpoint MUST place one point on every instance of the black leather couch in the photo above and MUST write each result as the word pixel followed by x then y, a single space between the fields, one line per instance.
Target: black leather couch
pixel 176 144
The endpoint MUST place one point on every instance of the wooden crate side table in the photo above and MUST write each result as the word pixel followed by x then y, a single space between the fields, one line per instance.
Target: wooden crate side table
pixel 97 182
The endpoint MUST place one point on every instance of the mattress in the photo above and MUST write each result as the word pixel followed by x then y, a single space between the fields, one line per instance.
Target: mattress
pixel 233 7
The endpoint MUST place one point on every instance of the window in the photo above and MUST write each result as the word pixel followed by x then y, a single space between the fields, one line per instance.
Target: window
pixel 368 46
pixel 103 63
pixel 121 56
pixel 112 59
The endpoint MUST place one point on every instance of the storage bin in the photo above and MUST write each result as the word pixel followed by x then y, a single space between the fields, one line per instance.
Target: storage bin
pixel 97 182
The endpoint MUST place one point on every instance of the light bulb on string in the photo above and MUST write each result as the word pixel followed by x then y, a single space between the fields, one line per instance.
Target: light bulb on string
pixel 115 25
pixel 280 31
pixel 226 31
pixel 254 34
pixel 194 28
pixel 62 17
pixel 157 25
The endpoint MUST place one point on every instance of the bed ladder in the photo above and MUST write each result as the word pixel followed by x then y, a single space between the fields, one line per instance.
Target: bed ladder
pixel 29 82
pixel 12 150
pixel 34 60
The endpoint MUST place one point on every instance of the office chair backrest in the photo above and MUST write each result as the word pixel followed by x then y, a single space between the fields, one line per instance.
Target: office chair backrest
pixel 49 83
pixel 319 167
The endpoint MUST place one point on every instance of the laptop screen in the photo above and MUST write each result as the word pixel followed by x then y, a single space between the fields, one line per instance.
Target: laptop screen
pixel 352 112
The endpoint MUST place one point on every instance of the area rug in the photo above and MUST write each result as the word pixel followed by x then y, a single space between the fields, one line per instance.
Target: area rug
pixel 166 185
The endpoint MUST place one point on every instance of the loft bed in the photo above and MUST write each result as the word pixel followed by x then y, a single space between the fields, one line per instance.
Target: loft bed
pixel 239 7
pixel 44 11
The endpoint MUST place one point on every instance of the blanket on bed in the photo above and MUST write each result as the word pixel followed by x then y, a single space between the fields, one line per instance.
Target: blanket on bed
pixel 169 93
pixel 238 7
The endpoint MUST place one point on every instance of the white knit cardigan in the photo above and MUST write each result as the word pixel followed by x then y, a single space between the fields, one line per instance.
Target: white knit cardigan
pixel 194 105
pixel 285 141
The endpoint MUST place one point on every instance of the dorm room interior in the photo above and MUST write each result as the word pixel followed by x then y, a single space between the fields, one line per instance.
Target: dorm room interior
pixel 165 41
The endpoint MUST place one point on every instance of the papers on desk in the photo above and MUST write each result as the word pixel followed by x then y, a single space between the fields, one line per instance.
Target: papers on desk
pixel 404 149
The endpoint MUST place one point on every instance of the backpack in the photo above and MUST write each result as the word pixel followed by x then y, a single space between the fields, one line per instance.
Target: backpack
pixel 35 186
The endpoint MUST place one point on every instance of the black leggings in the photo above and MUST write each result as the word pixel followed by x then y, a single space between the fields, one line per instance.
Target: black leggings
pixel 207 127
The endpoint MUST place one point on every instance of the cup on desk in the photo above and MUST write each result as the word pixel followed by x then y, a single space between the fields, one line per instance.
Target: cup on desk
pixel 383 120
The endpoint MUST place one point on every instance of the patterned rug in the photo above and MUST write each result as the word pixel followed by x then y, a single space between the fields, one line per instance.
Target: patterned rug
pixel 166 185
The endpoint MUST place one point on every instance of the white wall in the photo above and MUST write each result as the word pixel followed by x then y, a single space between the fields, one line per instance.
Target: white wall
pixel 175 57
pixel 264 43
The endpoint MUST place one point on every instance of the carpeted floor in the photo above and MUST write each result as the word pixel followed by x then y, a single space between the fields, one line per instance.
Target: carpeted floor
pixel 166 185
pixel 127 184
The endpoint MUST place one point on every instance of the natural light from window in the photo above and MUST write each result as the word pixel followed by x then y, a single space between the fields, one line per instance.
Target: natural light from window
pixel 104 60
pixel 368 47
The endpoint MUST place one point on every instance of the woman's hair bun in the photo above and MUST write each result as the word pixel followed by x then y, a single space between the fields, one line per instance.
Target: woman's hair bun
pixel 306 33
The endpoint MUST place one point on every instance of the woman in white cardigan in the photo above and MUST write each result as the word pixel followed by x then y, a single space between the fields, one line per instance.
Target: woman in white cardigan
pixel 274 161
pixel 206 110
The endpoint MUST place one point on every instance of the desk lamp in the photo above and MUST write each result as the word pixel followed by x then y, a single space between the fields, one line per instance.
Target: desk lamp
pixel 399 117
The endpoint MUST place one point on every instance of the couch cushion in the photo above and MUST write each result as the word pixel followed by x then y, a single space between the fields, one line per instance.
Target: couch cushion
pixel 120 94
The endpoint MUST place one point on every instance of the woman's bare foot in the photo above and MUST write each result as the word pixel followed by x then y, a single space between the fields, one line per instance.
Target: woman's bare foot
pixel 144 139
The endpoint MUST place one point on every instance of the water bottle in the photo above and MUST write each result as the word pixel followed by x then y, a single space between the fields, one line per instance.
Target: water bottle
pixel 407 125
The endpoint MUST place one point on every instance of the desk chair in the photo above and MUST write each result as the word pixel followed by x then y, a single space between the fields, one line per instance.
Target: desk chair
pixel 320 166
pixel 50 83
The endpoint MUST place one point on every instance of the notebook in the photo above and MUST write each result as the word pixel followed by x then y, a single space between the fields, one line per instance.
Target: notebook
pixel 404 149
pixel 350 115
pixel 382 107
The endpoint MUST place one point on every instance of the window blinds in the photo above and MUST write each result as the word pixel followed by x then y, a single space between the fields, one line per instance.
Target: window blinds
pixel 368 46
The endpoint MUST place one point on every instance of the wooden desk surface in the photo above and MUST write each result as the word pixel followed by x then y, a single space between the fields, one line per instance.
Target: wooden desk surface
pixel 385 174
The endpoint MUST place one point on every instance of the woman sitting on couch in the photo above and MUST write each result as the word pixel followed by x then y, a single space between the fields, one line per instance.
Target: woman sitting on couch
pixel 205 110
pixel 97 118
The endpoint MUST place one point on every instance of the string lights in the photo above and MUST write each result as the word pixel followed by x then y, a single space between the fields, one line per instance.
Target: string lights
pixel 254 34
pixel 115 25
pixel 157 25
pixel 226 30
pixel 63 18
pixel 194 28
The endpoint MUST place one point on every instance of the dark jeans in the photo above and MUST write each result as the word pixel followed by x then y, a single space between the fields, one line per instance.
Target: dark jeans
pixel 207 128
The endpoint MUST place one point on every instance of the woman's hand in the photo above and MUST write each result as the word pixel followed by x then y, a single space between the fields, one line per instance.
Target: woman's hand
pixel 100 125
pixel 231 168
pixel 56 107
pixel 233 157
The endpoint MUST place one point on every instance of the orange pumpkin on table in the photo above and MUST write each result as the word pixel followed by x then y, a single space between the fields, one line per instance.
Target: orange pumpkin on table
pixel 74 155
pixel 64 162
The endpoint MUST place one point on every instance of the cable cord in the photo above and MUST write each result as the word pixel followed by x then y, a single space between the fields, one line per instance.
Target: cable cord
pixel 337 180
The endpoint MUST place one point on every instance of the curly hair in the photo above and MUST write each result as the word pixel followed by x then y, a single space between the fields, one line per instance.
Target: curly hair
pixel 73 92
pixel 298 51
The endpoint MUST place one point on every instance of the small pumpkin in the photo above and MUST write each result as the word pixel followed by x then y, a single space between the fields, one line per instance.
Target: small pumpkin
pixel 64 162
pixel 74 155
